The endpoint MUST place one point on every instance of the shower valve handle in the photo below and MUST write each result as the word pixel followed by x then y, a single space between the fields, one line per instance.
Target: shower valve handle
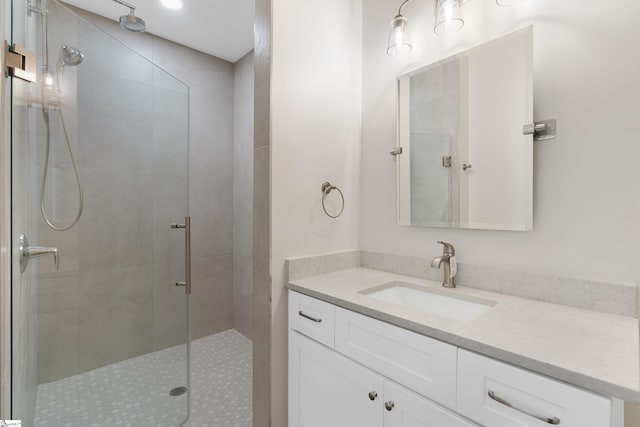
pixel 27 252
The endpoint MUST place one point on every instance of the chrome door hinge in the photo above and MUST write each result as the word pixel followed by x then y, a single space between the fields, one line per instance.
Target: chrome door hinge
pixel 19 62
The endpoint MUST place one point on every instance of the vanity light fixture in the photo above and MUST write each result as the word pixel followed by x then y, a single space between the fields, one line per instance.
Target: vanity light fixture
pixel 172 4
pixel 448 20
pixel 399 41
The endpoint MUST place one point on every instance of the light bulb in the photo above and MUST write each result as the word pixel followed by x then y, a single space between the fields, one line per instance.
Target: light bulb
pixel 48 80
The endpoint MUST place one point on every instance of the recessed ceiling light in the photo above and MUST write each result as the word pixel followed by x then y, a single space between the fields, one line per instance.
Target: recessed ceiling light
pixel 172 4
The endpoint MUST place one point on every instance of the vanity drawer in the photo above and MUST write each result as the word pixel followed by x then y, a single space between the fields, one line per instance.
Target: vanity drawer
pixel 487 387
pixel 422 364
pixel 312 317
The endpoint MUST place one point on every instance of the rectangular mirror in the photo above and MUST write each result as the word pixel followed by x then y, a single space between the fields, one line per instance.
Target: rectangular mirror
pixel 465 162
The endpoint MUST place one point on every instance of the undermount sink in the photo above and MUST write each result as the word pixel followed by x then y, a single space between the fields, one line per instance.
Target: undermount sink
pixel 441 303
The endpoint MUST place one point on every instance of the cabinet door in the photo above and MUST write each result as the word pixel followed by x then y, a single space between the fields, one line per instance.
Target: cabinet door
pixel 328 390
pixel 406 409
pixel 420 363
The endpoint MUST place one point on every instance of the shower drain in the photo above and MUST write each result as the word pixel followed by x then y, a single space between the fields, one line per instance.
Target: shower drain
pixel 178 391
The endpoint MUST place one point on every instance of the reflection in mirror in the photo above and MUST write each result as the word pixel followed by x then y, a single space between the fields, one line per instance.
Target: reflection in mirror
pixel 465 162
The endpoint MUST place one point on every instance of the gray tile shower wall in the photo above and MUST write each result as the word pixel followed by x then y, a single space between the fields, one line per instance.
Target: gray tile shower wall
pixel 243 194
pixel 115 288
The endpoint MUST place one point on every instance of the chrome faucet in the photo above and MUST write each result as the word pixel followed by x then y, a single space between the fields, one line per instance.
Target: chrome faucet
pixel 450 267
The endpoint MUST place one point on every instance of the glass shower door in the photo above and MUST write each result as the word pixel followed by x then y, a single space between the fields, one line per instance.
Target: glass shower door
pixel 103 337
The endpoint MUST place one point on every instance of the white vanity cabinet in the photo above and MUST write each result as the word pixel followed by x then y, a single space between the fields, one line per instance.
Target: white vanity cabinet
pixel 350 370
pixel 327 389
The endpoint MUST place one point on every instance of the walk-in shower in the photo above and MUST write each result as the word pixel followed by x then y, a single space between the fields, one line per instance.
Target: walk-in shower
pixel 114 146
pixel 100 146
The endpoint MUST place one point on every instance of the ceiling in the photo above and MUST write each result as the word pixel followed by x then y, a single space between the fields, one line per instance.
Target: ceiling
pixel 222 28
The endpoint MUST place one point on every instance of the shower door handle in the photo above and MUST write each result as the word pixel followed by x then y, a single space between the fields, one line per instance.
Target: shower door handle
pixel 187 253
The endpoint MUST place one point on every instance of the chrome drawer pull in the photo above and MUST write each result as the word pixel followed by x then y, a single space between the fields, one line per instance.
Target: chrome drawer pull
pixel 306 316
pixel 554 420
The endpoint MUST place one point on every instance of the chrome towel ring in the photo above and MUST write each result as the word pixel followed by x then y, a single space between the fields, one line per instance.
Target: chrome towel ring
pixel 327 188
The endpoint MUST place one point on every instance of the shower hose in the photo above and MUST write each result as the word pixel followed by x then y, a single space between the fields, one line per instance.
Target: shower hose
pixel 43 210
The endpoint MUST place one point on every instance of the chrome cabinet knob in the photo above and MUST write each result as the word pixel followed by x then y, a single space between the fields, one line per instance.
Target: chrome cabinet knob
pixel 389 405
pixel 373 395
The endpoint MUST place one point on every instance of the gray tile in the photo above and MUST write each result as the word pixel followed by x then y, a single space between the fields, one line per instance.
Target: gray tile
pixel 169 206
pixel 117 227
pixel 170 132
pixel 115 316
pixel 242 294
pixel 115 134
pixel 212 217
pixel 57 292
pixel 57 345
pixel 169 307
pixel 135 391
pixel 212 295
pixel 261 286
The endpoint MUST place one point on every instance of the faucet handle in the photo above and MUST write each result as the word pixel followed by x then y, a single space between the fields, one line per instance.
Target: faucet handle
pixel 453 267
pixel 448 248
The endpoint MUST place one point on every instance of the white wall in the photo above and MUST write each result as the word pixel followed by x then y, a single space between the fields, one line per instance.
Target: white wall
pixel 586 203
pixel 315 134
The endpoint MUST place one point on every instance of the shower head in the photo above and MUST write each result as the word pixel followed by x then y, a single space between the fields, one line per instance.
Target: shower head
pixel 131 22
pixel 69 55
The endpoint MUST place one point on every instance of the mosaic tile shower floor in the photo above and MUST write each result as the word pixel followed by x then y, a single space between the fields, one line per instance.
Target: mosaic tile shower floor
pixel 135 392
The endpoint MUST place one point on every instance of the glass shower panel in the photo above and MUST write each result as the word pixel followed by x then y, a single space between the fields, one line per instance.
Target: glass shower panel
pixel 104 338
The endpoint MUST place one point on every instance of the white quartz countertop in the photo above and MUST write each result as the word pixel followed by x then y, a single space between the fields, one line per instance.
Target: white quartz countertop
pixel 594 350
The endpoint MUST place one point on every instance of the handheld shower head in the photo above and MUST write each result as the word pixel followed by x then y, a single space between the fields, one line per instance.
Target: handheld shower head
pixel 69 55
pixel 131 22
